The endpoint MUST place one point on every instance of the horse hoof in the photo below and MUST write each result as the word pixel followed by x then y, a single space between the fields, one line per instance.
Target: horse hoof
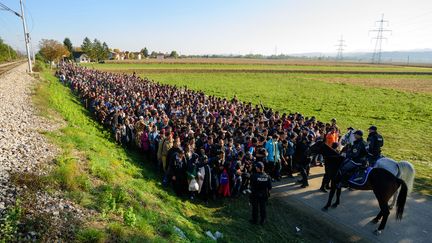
pixel 377 232
pixel 334 205
pixel 374 221
pixel 324 209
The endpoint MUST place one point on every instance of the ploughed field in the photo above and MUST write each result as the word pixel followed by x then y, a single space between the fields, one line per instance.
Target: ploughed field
pixel 357 95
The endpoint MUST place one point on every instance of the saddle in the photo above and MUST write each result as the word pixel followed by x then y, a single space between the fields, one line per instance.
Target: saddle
pixel 360 176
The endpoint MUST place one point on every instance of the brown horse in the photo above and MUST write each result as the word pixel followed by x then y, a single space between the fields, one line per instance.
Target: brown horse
pixel 383 183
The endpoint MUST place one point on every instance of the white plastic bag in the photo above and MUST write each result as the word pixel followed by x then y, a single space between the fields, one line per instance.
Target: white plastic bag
pixel 193 185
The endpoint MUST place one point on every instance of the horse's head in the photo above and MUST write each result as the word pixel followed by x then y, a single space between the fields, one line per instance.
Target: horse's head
pixel 348 138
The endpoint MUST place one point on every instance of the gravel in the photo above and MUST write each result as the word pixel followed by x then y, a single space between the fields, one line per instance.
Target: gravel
pixel 23 149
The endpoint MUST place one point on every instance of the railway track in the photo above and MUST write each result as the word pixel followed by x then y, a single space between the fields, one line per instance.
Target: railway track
pixel 8 66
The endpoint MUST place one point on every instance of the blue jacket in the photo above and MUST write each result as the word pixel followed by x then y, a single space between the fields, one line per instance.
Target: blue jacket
pixel 270 150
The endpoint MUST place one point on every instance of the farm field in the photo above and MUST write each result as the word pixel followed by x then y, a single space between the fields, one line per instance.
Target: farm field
pixel 400 105
pixel 254 66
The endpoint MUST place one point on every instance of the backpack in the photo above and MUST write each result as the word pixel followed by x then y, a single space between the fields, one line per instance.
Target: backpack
pixel 224 178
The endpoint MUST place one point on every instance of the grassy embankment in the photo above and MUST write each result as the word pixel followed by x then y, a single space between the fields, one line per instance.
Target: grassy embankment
pixel 400 105
pixel 125 191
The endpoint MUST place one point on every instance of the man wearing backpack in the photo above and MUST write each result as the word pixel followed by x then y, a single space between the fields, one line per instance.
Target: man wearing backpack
pixel 260 187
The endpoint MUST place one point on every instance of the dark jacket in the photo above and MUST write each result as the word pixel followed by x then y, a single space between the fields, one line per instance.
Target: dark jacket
pixel 375 142
pixel 260 186
pixel 358 152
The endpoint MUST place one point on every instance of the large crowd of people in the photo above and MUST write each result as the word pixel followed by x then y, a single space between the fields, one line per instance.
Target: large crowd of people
pixel 206 146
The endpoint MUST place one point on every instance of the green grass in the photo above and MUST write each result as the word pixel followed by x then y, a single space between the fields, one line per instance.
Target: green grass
pixel 242 66
pixel 403 118
pixel 130 203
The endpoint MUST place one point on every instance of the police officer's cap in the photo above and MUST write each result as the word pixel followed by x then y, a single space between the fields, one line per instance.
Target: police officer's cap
pixel 359 132
pixel 373 128
pixel 260 165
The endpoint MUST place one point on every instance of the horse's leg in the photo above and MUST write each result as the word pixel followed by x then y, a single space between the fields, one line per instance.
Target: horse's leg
pixel 394 200
pixel 380 194
pixel 338 194
pixel 331 194
pixel 377 218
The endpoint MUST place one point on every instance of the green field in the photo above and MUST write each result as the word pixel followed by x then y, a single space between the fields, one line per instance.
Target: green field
pixel 255 66
pixel 403 118
pixel 124 191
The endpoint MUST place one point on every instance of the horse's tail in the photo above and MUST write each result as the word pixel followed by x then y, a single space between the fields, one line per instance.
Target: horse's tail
pixel 401 200
pixel 407 174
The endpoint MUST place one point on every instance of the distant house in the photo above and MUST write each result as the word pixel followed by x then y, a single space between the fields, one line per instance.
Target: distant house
pixel 160 56
pixel 80 57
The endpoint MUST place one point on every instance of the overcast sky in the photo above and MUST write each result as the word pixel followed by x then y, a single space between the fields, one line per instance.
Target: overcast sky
pixel 224 26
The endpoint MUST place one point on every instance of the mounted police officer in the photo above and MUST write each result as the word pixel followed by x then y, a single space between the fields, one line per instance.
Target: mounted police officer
pixel 260 187
pixel 356 156
pixel 375 142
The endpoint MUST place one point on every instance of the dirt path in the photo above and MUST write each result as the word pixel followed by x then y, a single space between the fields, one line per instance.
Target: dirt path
pixel 358 208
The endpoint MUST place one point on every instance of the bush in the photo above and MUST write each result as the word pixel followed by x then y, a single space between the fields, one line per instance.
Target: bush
pixel 129 217
pixel 91 235
pixel 9 224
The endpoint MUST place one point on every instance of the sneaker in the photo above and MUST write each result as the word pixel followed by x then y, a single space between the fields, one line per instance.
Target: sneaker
pixel 304 185
pixel 248 191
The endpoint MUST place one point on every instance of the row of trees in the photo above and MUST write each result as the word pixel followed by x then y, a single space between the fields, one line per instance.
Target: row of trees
pixel 7 53
pixel 52 50
pixel 95 50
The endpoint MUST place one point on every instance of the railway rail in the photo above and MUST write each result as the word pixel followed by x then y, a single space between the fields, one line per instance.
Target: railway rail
pixel 9 66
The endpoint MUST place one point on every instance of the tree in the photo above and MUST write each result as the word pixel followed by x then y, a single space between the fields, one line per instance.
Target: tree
pixel 87 46
pixel 52 50
pixel 68 44
pixel 7 53
pixel 97 50
pixel 145 52
pixel 106 51
pixel 174 54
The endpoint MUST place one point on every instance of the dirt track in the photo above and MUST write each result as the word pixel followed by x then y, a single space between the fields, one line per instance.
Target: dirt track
pixel 358 208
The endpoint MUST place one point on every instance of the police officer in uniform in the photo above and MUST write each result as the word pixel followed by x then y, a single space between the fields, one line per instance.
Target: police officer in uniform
pixel 260 187
pixel 356 156
pixel 375 142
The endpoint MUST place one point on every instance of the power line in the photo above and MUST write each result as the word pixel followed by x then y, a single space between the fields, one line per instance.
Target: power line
pixel 340 48
pixel 376 57
pixel 26 34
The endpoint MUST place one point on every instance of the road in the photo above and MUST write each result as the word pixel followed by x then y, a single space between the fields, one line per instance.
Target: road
pixel 358 208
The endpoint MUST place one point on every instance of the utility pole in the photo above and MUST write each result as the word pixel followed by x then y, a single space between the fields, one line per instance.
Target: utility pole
pixel 376 57
pixel 26 38
pixel 26 34
pixel 340 48
pixel 10 56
